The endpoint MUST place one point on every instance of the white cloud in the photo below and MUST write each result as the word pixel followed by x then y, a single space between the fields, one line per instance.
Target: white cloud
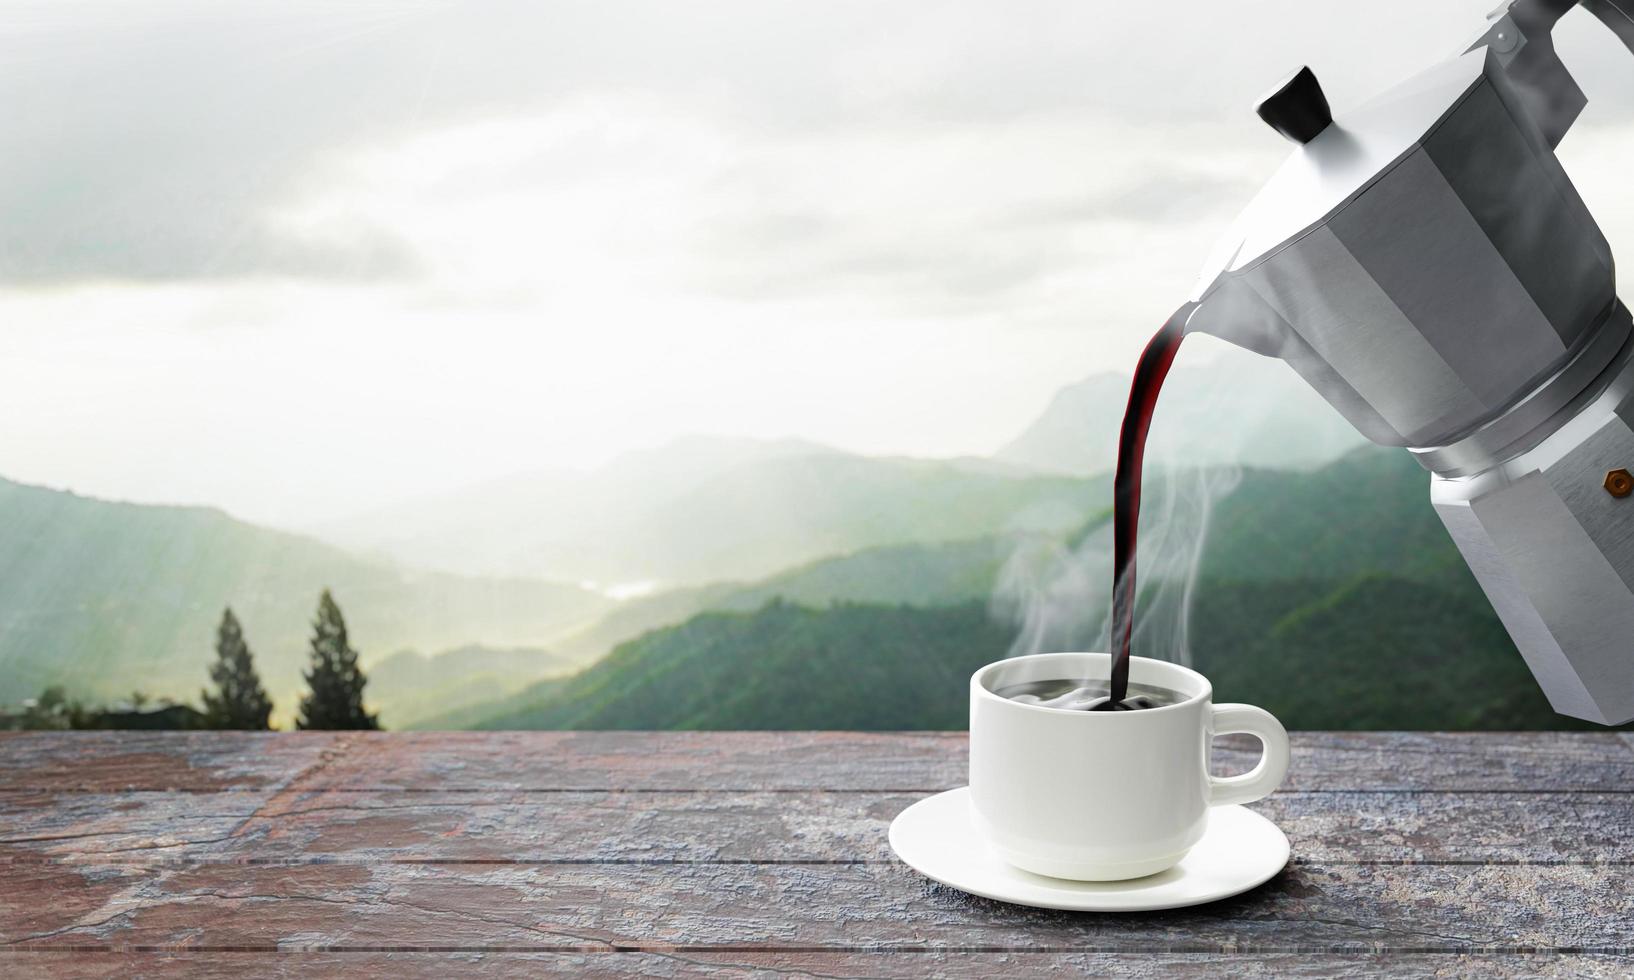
pixel 299 259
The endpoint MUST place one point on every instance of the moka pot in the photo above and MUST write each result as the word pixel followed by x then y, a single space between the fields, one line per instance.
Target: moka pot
pixel 1425 264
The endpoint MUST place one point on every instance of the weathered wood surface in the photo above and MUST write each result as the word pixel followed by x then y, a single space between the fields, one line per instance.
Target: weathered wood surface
pixel 384 826
pixel 917 762
pixel 598 907
pixel 760 854
pixel 823 964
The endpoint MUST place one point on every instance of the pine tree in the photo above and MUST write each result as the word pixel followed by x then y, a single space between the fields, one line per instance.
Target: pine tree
pixel 240 702
pixel 335 700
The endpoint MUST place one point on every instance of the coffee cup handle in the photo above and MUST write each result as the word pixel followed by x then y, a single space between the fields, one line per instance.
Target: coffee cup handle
pixel 1263 779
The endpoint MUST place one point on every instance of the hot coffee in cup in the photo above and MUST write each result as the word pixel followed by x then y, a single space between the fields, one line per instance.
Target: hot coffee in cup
pixel 1098 795
pixel 1078 695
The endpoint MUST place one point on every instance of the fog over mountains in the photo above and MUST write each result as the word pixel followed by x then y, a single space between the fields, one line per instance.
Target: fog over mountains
pixel 701 510
pixel 517 578
pixel 704 509
pixel 1332 597
pixel 106 598
pixel 1258 413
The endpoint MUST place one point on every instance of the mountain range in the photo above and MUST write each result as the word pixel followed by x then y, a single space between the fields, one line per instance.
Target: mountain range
pixel 1242 409
pixel 704 510
pixel 409 687
pixel 1333 598
pixel 1330 577
pixel 1365 512
pixel 105 597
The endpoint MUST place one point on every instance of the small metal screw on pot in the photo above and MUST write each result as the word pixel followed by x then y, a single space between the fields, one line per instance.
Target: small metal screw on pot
pixel 1619 483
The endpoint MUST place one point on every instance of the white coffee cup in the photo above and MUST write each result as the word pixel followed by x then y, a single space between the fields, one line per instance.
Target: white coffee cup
pixel 1104 796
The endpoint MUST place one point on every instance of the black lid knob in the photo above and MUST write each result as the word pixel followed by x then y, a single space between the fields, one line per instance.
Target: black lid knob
pixel 1296 108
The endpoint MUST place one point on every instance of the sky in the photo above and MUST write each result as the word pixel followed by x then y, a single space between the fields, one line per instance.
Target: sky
pixel 302 259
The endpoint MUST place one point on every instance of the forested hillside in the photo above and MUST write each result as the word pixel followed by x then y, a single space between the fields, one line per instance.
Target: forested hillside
pixel 784 666
pixel 1334 599
pixel 1374 653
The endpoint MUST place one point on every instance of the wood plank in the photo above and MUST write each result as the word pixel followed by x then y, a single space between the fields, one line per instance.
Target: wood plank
pixel 1448 761
pixel 794 761
pixel 377 826
pixel 654 761
pixel 737 966
pixel 480 762
pixel 483 762
pixel 1307 909
pixel 58 824
pixel 185 761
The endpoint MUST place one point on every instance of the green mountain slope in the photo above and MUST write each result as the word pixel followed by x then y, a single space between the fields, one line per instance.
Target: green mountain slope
pixel 1333 598
pixel 1374 653
pixel 105 597
pixel 409 686
pixel 1366 512
pixel 785 666
pixel 916 574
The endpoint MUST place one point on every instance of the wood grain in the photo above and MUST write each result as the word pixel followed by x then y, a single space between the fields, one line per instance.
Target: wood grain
pixel 138 761
pixel 719 907
pixel 374 826
pixel 763 854
pixel 828 964
pixel 928 762
pixel 483 762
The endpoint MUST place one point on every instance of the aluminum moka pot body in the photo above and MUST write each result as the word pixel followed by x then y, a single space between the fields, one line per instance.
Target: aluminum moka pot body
pixel 1426 265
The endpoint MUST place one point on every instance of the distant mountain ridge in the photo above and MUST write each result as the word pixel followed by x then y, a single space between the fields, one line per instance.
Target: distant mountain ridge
pixel 710 509
pixel 863 667
pixel 908 574
pixel 409 686
pixel 1428 659
pixel 107 597
pixel 1245 410
pixel 1334 598
pixel 707 510
pixel 1365 511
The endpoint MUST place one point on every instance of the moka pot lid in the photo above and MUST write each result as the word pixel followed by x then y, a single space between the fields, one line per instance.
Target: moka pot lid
pixel 1338 160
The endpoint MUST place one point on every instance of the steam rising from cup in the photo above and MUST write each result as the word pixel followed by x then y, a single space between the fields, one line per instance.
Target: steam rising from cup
pixel 1058 592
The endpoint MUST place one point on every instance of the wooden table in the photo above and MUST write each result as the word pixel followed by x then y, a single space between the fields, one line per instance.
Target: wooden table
pixel 697 854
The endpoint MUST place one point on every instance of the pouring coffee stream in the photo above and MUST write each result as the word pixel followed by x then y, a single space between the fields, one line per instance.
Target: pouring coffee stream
pixel 1424 262
pixel 1150 372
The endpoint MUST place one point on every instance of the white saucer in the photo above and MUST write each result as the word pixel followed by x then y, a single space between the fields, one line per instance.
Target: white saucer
pixel 1240 850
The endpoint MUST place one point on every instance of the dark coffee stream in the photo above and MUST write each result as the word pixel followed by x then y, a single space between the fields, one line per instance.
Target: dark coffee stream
pixel 1150 371
pixel 1115 695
